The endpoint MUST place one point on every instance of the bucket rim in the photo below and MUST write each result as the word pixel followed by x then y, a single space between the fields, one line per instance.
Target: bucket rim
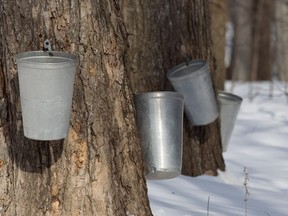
pixel 159 94
pixel 229 97
pixel 173 74
pixel 24 57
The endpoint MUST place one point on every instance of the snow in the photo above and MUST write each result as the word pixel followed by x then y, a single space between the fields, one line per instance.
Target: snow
pixel 259 142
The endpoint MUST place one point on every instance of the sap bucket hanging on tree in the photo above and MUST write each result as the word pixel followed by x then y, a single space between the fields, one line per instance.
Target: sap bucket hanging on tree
pixel 46 80
pixel 159 117
pixel 192 79
pixel 229 105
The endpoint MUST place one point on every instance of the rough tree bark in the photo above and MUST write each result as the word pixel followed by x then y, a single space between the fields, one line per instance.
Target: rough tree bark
pixel 161 35
pixel 97 169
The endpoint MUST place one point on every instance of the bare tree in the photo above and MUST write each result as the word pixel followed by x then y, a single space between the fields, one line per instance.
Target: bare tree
pixel 219 15
pixel 97 169
pixel 261 68
pixel 252 46
pixel 281 39
pixel 161 35
pixel 241 16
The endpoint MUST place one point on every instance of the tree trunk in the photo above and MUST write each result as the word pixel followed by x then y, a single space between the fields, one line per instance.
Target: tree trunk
pixel 262 48
pixel 241 13
pixel 162 35
pixel 97 169
pixel 251 58
pixel 265 44
pixel 281 40
pixel 219 14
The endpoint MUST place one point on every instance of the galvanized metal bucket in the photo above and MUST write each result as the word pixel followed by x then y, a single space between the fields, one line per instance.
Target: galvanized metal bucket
pixel 229 105
pixel 159 117
pixel 193 80
pixel 46 90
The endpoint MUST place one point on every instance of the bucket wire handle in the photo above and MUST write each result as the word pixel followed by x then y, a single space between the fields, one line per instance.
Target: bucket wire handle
pixel 47 47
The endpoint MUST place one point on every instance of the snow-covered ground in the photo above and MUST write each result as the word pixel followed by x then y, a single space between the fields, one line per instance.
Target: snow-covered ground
pixel 260 143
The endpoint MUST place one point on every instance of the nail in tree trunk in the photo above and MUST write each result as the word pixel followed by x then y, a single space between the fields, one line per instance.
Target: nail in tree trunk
pixel 97 169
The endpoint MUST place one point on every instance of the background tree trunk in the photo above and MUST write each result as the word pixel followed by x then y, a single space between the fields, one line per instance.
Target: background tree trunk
pixel 241 13
pixel 162 35
pixel 252 49
pixel 97 169
pixel 281 40
pixel 219 13
pixel 261 68
pixel 265 44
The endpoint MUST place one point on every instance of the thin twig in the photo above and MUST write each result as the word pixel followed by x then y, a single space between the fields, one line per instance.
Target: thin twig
pixel 267 213
pixel 245 183
pixel 208 205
